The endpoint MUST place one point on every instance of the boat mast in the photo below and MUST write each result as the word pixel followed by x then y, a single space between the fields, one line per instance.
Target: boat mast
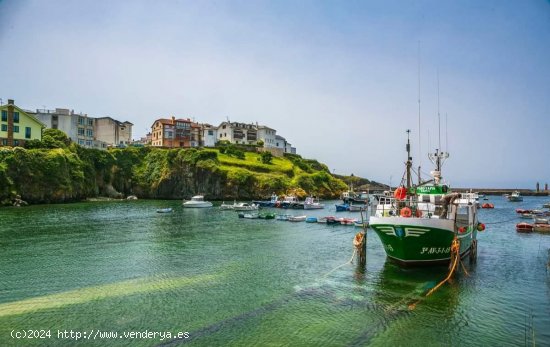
pixel 419 127
pixel 409 161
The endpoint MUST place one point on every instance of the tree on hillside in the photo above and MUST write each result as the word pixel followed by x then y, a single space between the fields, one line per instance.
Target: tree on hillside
pixel 51 138
pixel 266 157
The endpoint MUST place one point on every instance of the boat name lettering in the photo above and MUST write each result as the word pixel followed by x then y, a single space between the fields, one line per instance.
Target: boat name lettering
pixel 429 190
pixel 435 250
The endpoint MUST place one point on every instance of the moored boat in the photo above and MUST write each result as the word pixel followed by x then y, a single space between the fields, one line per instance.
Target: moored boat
pixel 164 210
pixel 311 220
pixel 542 228
pixel 228 207
pixel 297 218
pixel 487 205
pixel 243 206
pixel 197 202
pixel 515 197
pixel 418 225
pixel 311 204
pixel 267 215
pixel 524 227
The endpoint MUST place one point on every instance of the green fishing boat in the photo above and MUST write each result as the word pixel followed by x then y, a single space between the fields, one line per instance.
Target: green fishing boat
pixel 417 224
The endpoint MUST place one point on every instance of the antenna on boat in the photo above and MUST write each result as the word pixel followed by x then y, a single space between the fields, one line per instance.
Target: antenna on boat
pixel 419 127
pixel 446 134
pixel 438 115
pixel 438 157
pixel 409 160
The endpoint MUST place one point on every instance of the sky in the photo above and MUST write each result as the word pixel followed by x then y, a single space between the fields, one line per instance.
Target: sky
pixel 340 80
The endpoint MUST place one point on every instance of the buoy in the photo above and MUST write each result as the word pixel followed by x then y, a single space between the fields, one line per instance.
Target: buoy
pixel 480 227
pixel 406 212
pixel 400 193
pixel 461 230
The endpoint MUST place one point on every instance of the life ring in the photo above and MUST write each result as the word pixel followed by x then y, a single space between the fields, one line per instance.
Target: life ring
pixel 406 212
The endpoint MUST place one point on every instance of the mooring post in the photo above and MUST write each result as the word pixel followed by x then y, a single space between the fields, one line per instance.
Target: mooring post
pixel 363 249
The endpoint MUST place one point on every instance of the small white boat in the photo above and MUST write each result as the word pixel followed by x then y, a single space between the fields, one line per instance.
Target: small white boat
pixel 197 202
pixel 164 210
pixel 297 218
pixel 311 204
pixel 226 207
pixel 243 206
pixel 547 205
pixel 515 196
pixel 249 215
pixel 282 216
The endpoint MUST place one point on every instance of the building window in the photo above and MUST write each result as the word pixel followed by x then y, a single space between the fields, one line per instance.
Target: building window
pixel 210 132
pixel 80 120
pixel 4 116
pixel 80 131
pixel 4 142
pixel 16 128
pixel 16 142
pixel 89 143
pixel 27 132
pixel 81 142
pixel 16 117
pixel 89 132
pixel 90 122
pixel 4 127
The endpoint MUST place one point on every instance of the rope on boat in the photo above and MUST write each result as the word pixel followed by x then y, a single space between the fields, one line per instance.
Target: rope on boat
pixel 455 259
pixel 504 221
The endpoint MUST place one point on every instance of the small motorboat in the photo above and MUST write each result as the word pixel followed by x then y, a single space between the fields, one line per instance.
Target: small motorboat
pixel 546 205
pixel 227 207
pixel 542 228
pixel 243 206
pixel 164 210
pixel 515 197
pixel 297 218
pixel 527 215
pixel 282 216
pixel 522 211
pixel 342 207
pixel 524 228
pixel 348 221
pixel 311 220
pixel 197 201
pixel 487 205
pixel 268 215
pixel 248 215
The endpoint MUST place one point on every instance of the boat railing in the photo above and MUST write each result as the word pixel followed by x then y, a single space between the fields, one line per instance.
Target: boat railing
pixel 391 207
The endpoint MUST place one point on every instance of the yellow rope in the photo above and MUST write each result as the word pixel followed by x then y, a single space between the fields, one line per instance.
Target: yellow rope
pixel 455 258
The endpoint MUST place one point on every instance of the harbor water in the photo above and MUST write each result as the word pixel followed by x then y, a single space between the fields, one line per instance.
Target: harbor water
pixel 218 280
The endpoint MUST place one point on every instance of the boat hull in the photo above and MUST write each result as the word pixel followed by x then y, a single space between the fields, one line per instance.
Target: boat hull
pixel 419 241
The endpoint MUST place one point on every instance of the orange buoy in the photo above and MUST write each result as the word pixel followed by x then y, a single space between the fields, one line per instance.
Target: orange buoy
pixel 400 193
pixel 406 212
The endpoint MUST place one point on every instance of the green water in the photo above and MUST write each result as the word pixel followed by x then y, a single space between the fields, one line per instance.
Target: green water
pixel 122 267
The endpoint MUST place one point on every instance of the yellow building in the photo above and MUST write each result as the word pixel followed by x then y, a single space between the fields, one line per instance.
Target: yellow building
pixel 17 126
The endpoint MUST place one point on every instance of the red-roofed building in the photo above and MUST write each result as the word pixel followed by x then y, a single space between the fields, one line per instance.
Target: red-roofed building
pixel 176 133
